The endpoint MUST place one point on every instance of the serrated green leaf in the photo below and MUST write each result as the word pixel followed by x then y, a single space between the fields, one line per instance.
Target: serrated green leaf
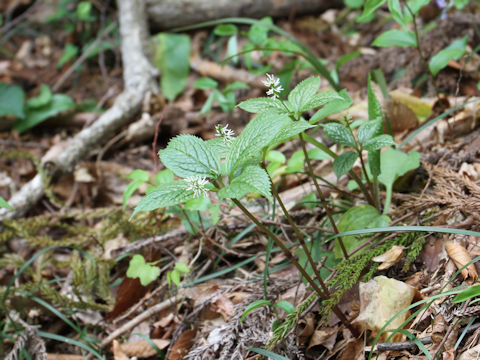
pixel 303 93
pixel 43 98
pixel 468 293
pixel 368 130
pixel 218 146
pixel 188 155
pixel 172 57
pixel 454 51
pixel 344 163
pixel 253 179
pixel 205 83
pixel 35 116
pixel 263 104
pixel 165 195
pixel 225 30
pixel 339 134
pixel 138 268
pixel 257 135
pixel 4 204
pixel 290 129
pixel 320 99
pixel 378 142
pixel 333 107
pixel 12 100
pixel 374 162
pixel 358 217
pixel 254 305
pixel 374 107
pixel 401 38
pixel 182 268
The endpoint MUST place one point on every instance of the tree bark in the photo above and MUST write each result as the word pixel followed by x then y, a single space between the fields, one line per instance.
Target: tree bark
pixel 167 14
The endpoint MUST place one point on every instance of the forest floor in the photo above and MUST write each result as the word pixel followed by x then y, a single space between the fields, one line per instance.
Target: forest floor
pixel 65 293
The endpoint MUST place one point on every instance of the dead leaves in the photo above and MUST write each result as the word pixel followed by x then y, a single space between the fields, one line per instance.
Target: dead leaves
pixel 461 258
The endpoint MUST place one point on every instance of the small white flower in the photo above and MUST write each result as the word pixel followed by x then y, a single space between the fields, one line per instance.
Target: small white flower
pixel 225 133
pixel 273 83
pixel 197 185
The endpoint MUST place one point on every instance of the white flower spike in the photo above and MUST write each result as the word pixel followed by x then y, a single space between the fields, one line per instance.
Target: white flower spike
pixel 197 185
pixel 225 133
pixel 273 83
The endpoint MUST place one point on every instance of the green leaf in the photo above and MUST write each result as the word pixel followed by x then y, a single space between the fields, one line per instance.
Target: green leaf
pixel 172 57
pixel 302 94
pixel 268 354
pixel 182 268
pixel 205 83
pixel 319 99
pixel 378 142
pixel 460 4
pixel 339 134
pixel 374 107
pixel 468 293
pixel 401 38
pixel 84 9
pixel 232 49
pixel 254 305
pixel 4 204
pixel 138 268
pixel 368 130
pixel 259 33
pixel 35 116
pixel 225 30
pixel 344 163
pixel 69 52
pixel 290 129
pixel 398 15
pixel 12 100
pixel 138 174
pixel 130 189
pixel 164 195
pixel 175 277
pixel 333 107
pixel 353 4
pixel 416 5
pixel 454 51
pixel 370 7
pixel 257 135
pixel 358 217
pixel 197 204
pixel 43 98
pixel 263 104
pixel 286 306
pixel 164 177
pixel 236 85
pixel 374 162
pixel 275 156
pixel 188 155
pixel 218 146
pixel 253 179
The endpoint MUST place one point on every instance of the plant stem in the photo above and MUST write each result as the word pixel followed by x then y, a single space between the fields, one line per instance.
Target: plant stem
pixel 294 261
pixel 322 197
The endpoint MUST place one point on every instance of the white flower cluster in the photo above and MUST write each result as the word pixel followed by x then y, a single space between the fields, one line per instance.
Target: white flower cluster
pixel 198 185
pixel 225 133
pixel 273 83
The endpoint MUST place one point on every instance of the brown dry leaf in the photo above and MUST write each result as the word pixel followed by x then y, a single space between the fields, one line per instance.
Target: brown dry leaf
pixel 470 354
pixel 353 351
pixel 461 257
pixel 183 345
pixel 305 328
pixel 142 348
pixel 389 258
pixel 129 292
pixel 400 116
pixel 224 306
pixel 381 299
pixel 118 354
pixel 325 337
pixel 64 357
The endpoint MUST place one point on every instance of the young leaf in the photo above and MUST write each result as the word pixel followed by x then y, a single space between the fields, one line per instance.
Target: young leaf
pixel 254 305
pixel 4 204
pixel 401 38
pixel 257 135
pixel 188 155
pixel 339 134
pixel 129 190
pixel 225 30
pixel 290 129
pixel 12 100
pixel 368 130
pixel 205 83
pixel 300 96
pixel 35 116
pixel 398 15
pixel 253 179
pixel 454 51
pixel 378 142
pixel 172 57
pixel 286 306
pixel 138 268
pixel 370 7
pixel 43 98
pixel 374 107
pixel 275 156
pixel 263 104
pixel 344 163
pixel 318 100
pixel 416 5
pixel 182 267
pixel 259 33
pixel 333 107
pixel 69 52
pixel 163 196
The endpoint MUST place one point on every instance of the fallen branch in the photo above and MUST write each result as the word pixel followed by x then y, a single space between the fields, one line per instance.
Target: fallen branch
pixel 139 76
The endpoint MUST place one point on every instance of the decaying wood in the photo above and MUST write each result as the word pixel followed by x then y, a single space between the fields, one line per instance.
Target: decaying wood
pixel 138 76
pixel 167 14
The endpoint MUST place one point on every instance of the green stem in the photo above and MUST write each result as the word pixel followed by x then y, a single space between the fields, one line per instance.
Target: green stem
pixel 322 197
